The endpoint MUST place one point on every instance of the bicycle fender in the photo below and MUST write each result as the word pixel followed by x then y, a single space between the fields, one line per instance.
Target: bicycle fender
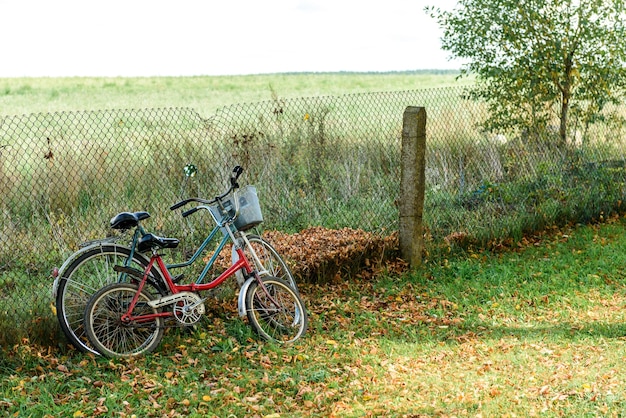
pixel 241 302
pixel 72 257
pixel 69 260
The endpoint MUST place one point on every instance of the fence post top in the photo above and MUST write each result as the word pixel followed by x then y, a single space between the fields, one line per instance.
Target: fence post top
pixel 415 109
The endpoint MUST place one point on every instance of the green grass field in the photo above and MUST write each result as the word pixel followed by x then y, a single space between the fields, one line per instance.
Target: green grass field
pixel 205 94
pixel 538 331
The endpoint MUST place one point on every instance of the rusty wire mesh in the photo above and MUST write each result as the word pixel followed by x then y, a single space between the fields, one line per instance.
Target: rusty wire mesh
pixel 329 161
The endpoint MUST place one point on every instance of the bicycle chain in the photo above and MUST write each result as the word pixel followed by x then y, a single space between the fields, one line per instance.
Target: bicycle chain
pixel 175 324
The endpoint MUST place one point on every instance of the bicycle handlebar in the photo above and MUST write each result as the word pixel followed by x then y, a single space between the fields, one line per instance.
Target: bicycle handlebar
pixel 179 204
pixel 233 185
pixel 189 212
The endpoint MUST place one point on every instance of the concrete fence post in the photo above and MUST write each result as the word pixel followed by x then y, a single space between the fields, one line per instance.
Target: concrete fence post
pixel 412 185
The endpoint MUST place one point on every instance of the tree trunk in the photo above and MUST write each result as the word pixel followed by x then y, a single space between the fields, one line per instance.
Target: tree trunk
pixel 564 114
pixel 566 94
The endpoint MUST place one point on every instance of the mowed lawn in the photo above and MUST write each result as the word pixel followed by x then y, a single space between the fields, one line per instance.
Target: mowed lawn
pixel 535 330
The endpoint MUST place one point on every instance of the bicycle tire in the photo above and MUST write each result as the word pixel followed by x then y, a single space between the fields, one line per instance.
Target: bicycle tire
pixel 105 329
pixel 91 271
pixel 281 318
pixel 272 263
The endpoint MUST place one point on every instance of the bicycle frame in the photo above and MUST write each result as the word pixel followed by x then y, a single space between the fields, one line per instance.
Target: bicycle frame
pixel 199 252
pixel 242 263
pixel 199 285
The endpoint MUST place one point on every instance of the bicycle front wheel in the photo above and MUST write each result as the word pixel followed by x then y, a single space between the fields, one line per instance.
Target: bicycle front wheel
pixel 91 271
pixel 111 336
pixel 275 311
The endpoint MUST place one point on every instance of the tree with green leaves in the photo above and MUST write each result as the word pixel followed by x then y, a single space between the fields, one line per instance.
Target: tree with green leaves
pixel 539 63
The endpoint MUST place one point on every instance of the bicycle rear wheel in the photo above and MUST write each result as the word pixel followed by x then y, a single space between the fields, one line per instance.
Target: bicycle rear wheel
pixel 275 311
pixel 109 335
pixel 91 271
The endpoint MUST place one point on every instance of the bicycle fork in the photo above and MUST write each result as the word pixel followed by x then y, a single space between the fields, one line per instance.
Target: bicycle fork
pixel 241 301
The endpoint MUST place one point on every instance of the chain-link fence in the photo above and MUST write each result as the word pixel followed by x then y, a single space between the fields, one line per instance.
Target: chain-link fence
pixel 330 161
pixel 490 188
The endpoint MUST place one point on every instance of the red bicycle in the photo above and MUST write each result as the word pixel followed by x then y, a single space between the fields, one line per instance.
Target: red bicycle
pixel 125 319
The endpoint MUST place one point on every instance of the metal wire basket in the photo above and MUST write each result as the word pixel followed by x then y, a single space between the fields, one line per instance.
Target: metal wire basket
pixel 249 209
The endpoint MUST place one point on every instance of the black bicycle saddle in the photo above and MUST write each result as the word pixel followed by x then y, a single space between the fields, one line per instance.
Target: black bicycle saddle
pixel 127 220
pixel 150 241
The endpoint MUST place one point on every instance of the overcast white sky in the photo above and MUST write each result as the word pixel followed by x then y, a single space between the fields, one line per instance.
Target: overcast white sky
pixel 216 37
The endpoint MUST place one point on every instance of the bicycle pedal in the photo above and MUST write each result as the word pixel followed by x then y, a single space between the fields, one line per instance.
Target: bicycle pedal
pixel 178 278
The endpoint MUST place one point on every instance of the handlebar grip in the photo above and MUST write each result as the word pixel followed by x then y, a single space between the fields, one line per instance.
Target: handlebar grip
pixel 189 212
pixel 179 204
pixel 236 173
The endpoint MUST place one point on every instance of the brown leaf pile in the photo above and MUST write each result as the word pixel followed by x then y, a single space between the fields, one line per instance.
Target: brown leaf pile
pixel 318 255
